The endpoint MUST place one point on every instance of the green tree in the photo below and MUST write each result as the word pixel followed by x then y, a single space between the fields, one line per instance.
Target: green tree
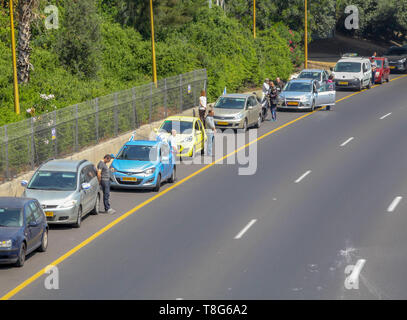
pixel 78 40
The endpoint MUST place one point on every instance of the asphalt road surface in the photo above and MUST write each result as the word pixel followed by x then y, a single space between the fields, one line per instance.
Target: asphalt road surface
pixel 330 190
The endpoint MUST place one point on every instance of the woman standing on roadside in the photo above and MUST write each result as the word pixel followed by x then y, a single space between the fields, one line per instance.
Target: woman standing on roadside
pixel 202 106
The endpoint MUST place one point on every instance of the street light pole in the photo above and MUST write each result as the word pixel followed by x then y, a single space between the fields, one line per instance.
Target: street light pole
pixel 13 51
pixel 254 19
pixel 306 35
pixel 153 44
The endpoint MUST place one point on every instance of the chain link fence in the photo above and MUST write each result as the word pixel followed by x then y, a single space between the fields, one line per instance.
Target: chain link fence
pixel 27 144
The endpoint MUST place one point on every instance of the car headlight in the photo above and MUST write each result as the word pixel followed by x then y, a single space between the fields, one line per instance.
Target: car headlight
pixel 68 204
pixel 149 171
pixel 6 244
pixel 239 116
pixel 188 139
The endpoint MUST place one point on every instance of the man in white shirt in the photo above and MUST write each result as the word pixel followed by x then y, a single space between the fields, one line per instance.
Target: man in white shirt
pixel 202 106
pixel 265 89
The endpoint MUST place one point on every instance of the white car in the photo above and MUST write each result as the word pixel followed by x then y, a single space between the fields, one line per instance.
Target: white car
pixel 353 73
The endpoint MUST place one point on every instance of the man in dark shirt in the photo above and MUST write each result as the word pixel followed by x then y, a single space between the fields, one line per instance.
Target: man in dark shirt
pixel 104 180
pixel 279 84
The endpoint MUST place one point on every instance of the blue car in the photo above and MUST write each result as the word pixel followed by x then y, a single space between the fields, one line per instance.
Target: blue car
pixel 143 164
pixel 23 229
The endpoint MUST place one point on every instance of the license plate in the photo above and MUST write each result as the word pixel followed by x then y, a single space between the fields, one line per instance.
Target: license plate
pixel 223 123
pixel 49 214
pixel 291 103
pixel 343 83
pixel 392 67
pixel 129 179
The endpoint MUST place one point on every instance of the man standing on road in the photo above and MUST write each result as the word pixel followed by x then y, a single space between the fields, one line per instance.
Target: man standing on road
pixel 202 106
pixel 280 84
pixel 210 131
pixel 173 145
pixel 265 89
pixel 104 180
pixel 374 66
pixel 273 94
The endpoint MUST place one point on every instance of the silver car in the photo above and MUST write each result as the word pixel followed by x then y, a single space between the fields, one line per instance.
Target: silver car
pixel 237 111
pixel 321 76
pixel 66 189
pixel 303 94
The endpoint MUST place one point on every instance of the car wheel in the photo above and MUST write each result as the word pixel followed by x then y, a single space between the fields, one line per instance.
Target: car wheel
pixel 95 210
pixel 259 120
pixel 173 175
pixel 21 255
pixel 158 184
pixel 79 219
pixel 44 242
pixel 388 79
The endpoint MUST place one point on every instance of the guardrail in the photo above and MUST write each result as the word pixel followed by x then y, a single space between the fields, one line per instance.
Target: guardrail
pixel 27 144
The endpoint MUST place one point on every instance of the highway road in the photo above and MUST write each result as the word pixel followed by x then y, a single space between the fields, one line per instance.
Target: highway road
pixel 330 190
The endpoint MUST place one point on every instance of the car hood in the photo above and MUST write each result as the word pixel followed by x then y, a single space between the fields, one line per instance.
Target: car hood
pixel 179 138
pixel 294 94
pixel 49 197
pixel 396 58
pixel 347 75
pixel 7 233
pixel 132 166
pixel 219 112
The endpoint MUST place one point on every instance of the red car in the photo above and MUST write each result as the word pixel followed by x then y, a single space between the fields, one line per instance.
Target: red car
pixel 382 71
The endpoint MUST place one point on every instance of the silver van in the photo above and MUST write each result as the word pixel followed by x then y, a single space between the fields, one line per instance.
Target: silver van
pixel 66 189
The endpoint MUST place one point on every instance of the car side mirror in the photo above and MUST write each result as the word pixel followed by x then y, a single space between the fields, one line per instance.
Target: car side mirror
pixel 86 186
pixel 24 183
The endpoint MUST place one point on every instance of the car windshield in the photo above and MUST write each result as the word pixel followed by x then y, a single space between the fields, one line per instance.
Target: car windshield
pixel 379 63
pixel 230 103
pixel 54 180
pixel 298 87
pixel 348 67
pixel 11 217
pixel 183 127
pixel 138 153
pixel 396 51
pixel 310 75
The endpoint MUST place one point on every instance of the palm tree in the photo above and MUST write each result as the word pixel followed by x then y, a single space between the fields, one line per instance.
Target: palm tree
pixel 26 15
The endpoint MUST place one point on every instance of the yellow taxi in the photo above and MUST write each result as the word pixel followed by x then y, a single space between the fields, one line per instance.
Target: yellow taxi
pixel 190 137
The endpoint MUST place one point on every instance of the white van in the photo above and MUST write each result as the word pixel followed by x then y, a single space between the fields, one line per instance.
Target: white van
pixel 353 73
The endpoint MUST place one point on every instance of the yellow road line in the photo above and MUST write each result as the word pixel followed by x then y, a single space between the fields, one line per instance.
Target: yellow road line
pixel 143 204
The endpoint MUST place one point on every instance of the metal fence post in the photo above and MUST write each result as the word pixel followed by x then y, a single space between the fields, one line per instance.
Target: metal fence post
pixel 194 84
pixel 56 135
pixel 165 99
pixel 6 143
pixel 32 143
pixel 116 121
pixel 76 129
pixel 151 102
pixel 97 119
pixel 180 92
pixel 134 113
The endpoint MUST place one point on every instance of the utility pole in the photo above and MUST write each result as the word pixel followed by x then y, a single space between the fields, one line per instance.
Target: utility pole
pixel 254 19
pixel 13 51
pixel 153 44
pixel 306 35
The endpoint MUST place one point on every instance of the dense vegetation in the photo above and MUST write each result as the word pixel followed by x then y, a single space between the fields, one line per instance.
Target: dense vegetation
pixel 104 46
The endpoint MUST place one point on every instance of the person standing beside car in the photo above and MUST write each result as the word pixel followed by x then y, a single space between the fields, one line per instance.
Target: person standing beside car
pixel 202 106
pixel 210 131
pixel 280 84
pixel 273 94
pixel 104 180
